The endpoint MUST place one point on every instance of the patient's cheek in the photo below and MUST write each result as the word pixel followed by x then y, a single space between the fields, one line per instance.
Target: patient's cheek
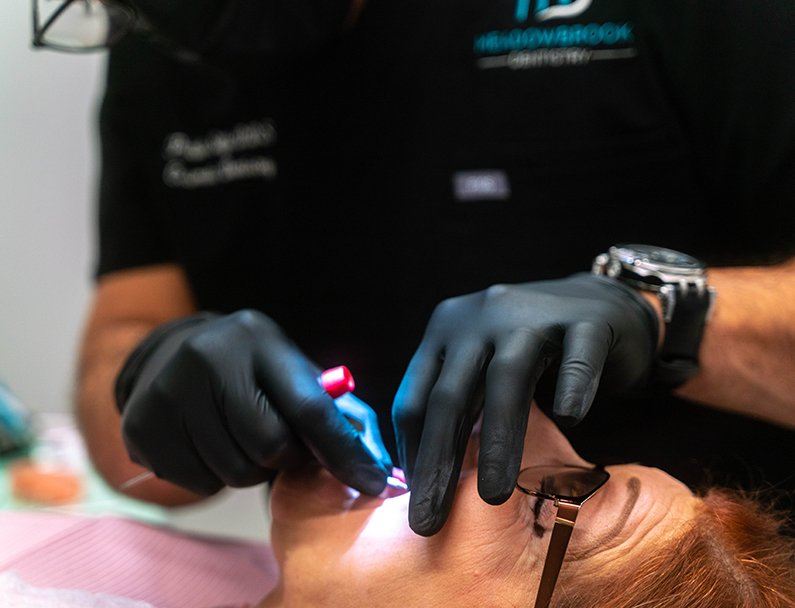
pixel 498 535
pixel 325 533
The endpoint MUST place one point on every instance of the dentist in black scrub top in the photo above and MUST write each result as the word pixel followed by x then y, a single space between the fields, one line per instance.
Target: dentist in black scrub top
pixel 586 204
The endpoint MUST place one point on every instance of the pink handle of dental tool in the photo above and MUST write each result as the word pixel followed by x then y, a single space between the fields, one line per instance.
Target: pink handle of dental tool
pixel 337 381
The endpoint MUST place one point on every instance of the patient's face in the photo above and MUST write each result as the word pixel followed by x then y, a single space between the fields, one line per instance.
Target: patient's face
pixel 336 548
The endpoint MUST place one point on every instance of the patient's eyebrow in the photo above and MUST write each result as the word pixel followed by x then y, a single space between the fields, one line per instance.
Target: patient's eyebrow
pixel 598 544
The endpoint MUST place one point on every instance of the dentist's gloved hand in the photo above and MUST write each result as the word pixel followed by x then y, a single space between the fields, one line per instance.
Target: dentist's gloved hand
pixel 488 350
pixel 212 401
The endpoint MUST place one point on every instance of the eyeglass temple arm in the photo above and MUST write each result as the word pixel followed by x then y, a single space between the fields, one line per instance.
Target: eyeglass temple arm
pixel 561 534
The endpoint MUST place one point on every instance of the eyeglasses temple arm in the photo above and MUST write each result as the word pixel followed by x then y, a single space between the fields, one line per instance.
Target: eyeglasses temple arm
pixel 561 534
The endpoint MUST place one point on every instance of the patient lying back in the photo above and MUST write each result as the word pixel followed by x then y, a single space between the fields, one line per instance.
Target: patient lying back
pixel 644 540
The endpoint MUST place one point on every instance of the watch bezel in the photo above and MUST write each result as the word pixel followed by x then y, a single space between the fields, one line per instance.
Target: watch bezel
pixel 668 281
pixel 637 262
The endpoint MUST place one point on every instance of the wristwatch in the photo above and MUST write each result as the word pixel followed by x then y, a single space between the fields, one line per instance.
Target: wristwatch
pixel 680 282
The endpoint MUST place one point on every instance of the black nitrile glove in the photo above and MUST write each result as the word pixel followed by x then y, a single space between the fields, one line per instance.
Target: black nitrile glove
pixel 489 349
pixel 211 401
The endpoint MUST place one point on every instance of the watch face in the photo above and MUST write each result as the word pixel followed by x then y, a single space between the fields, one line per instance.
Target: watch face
pixel 658 256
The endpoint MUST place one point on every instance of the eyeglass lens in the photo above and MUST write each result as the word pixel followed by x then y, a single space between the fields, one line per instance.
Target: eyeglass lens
pixel 83 24
pixel 574 483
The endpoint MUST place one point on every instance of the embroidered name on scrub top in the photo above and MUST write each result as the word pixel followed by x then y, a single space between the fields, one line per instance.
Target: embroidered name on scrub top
pixel 220 156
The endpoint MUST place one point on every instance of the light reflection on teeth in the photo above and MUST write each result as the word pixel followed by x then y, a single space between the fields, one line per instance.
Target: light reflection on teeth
pixel 395 485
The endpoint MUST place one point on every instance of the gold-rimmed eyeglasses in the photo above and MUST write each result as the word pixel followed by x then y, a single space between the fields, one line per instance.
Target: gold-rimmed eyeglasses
pixel 569 487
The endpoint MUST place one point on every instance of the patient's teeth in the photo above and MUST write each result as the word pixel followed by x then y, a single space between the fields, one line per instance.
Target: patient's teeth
pixel 394 482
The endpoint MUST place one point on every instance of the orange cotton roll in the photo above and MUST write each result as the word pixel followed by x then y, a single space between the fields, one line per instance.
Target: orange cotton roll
pixel 45 485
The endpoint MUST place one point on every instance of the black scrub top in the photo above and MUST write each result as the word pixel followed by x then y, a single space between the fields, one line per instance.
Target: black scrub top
pixel 441 147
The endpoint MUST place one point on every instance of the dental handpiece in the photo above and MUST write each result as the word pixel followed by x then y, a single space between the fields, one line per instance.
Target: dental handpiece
pixel 337 382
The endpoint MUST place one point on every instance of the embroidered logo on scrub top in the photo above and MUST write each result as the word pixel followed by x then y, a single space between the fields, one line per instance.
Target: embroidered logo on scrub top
pixel 563 8
pixel 220 156
pixel 553 45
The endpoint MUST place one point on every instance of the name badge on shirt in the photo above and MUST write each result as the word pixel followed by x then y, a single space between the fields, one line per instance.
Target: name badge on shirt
pixel 481 185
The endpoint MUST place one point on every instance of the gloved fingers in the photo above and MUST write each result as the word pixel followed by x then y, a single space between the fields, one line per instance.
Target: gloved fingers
pixel 365 420
pixel 175 460
pixel 220 451
pixel 174 467
pixel 511 378
pixel 586 346
pixel 224 458
pixel 452 410
pixel 338 446
pixel 263 434
pixel 411 400
pixel 292 385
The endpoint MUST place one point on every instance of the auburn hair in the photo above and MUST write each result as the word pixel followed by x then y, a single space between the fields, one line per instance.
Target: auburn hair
pixel 733 554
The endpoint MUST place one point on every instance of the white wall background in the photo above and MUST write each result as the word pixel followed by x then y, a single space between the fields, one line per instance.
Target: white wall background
pixel 48 171
pixel 47 175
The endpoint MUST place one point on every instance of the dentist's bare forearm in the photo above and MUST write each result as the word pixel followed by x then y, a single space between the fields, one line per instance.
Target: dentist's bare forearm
pixel 748 351
pixel 119 320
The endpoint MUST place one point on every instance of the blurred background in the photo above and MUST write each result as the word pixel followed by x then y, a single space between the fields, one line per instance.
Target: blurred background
pixel 47 174
pixel 48 171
